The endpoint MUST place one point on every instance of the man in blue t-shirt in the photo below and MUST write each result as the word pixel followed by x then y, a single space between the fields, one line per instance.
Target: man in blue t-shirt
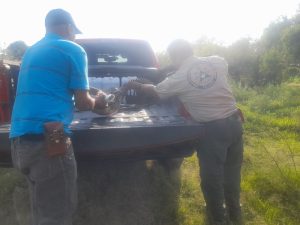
pixel 52 74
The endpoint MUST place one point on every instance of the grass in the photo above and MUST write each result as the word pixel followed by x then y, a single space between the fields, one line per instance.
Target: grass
pixel 271 169
pixel 271 175
pixel 144 193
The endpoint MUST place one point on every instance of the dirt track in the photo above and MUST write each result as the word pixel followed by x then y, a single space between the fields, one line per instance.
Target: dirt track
pixel 120 193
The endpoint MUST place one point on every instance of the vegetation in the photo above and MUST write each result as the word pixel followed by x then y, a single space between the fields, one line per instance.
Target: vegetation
pixel 14 51
pixel 271 169
pixel 272 158
pixel 148 192
pixel 272 59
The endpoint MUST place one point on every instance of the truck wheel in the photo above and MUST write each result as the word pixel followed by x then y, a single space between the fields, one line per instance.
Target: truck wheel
pixel 170 164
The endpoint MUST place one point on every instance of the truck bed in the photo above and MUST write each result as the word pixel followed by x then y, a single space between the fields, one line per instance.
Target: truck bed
pixel 150 132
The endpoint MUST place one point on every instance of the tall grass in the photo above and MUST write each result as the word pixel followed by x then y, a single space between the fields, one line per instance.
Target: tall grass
pixel 271 176
pixel 136 193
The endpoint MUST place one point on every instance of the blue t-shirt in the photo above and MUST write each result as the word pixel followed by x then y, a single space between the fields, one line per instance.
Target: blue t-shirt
pixel 51 70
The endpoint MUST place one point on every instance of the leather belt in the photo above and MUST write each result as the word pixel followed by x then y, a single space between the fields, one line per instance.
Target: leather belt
pixel 33 137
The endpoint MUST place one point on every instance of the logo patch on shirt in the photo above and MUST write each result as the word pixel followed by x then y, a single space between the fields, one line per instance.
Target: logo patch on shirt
pixel 202 75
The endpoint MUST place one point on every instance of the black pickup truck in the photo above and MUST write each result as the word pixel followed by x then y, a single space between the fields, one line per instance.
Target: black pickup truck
pixel 140 129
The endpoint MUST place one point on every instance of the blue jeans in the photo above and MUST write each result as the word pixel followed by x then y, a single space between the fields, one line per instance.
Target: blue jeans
pixel 220 156
pixel 51 180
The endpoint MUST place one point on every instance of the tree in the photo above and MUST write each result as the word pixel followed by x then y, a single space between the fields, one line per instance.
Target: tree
pixel 207 47
pixel 277 49
pixel 291 43
pixel 16 50
pixel 271 67
pixel 273 33
pixel 242 57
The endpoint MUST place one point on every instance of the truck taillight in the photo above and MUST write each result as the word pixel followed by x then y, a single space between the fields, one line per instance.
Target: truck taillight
pixel 4 94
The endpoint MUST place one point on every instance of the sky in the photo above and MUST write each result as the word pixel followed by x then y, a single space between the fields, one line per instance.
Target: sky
pixel 157 21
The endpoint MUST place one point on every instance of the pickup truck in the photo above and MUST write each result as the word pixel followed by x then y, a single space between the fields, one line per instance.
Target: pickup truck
pixel 139 130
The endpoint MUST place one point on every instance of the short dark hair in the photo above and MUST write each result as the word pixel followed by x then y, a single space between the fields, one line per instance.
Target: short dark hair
pixel 58 17
pixel 182 47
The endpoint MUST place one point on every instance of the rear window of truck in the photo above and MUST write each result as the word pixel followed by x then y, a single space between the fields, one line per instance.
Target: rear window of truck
pixel 118 52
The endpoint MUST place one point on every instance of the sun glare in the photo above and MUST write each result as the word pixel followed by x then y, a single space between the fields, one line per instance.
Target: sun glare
pixel 159 22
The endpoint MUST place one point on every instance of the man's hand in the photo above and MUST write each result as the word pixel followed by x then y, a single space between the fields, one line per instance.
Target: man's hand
pixel 146 89
pixel 94 92
pixel 83 100
pixel 134 85
pixel 95 100
pixel 100 101
pixel 106 104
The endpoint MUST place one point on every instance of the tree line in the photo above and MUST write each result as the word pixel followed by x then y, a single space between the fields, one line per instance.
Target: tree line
pixel 272 59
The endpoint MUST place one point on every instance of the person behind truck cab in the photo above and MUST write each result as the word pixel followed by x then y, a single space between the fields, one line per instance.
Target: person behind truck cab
pixel 201 86
pixel 53 72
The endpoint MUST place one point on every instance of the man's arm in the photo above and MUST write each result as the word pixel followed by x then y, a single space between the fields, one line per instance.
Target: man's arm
pixel 147 89
pixel 84 101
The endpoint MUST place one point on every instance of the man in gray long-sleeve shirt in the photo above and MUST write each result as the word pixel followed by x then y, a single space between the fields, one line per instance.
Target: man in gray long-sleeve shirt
pixel 201 86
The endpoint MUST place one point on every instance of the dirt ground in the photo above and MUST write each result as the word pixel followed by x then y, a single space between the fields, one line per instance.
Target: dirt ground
pixel 119 193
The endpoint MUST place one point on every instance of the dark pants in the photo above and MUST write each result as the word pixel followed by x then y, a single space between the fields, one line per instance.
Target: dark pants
pixel 220 156
pixel 51 180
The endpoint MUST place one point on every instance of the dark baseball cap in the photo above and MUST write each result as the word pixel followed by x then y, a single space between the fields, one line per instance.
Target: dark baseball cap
pixel 58 17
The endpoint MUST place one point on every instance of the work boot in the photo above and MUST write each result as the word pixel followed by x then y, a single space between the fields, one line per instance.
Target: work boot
pixel 237 220
pixel 235 215
pixel 212 220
